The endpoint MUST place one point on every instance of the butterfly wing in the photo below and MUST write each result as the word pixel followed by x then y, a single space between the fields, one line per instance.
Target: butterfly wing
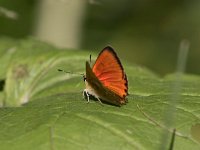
pixel 98 90
pixel 110 73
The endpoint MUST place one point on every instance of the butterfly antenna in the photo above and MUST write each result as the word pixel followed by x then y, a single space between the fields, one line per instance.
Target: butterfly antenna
pixel 61 70
pixel 90 58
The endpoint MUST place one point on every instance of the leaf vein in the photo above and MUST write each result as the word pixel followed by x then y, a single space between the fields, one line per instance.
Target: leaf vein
pixel 111 129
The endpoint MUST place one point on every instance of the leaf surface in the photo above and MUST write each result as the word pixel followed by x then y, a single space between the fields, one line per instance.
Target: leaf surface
pixel 57 117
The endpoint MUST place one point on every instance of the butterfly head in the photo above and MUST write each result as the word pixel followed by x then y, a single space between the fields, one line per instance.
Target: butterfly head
pixel 84 78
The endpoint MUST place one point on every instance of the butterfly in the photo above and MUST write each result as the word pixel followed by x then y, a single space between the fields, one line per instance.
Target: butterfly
pixel 106 80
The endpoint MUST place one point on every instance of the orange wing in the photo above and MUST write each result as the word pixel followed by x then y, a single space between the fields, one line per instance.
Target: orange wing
pixel 109 71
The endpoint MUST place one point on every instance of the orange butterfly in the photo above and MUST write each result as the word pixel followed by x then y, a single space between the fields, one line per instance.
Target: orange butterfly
pixel 106 80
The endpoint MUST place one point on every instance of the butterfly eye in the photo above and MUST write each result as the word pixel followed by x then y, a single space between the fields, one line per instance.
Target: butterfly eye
pixel 84 78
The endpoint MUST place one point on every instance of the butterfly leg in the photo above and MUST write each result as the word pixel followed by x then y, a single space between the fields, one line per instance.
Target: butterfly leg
pixel 84 94
pixel 87 94
pixel 88 97
pixel 99 101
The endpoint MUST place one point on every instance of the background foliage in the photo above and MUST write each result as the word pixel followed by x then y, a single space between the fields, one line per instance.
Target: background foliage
pixel 144 32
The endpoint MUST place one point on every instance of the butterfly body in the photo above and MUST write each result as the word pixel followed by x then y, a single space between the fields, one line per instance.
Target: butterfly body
pixel 106 80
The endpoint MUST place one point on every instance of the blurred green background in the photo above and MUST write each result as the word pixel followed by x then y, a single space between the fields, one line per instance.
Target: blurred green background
pixel 145 32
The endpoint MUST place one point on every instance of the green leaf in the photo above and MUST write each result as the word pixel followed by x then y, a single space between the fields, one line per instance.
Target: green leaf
pixel 7 49
pixel 34 67
pixel 57 117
